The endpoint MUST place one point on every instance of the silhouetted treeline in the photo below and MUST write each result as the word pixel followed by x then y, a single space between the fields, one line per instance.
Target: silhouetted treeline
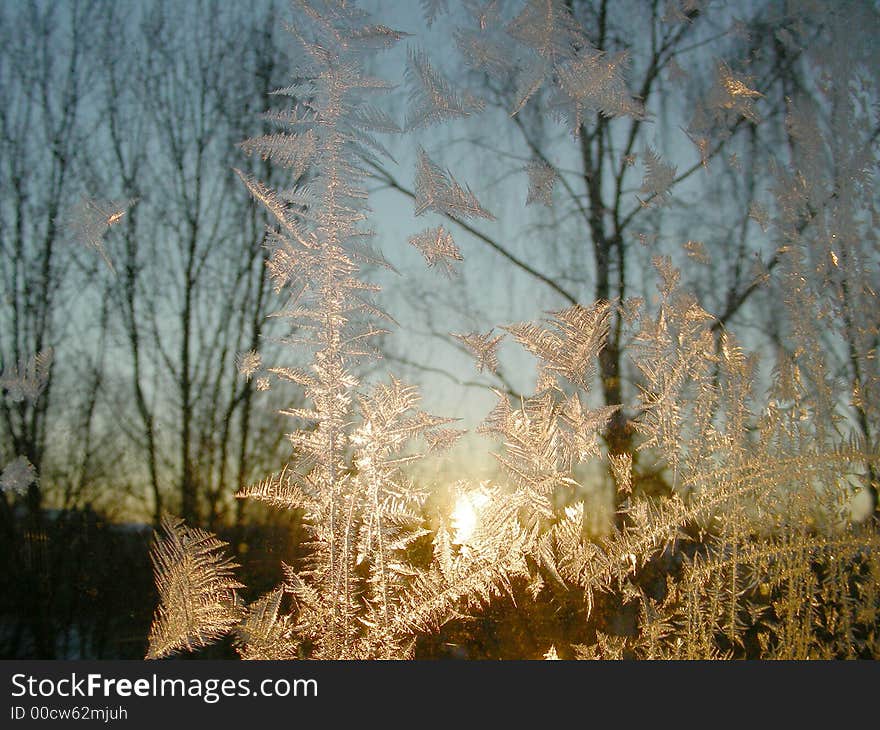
pixel 95 581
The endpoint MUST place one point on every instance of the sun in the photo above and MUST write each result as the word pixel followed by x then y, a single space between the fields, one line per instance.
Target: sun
pixel 465 514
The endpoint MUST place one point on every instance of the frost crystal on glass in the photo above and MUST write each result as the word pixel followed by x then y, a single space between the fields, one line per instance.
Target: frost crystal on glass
pixel 438 248
pixel 432 98
pixel 248 363
pixel 438 191
pixel 541 180
pixel 28 380
pixel 484 347
pixel 18 475
pixel 89 220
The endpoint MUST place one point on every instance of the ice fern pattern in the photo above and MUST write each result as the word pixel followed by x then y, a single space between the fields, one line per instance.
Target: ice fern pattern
pixel 438 248
pixel 735 487
pixel 27 380
pixel 17 476
pixel 22 384
pixel 438 191
pixel 357 592
pixel 432 98
pixel 568 341
pixel 88 221
pixel 541 180
pixel 198 600
pixel 484 348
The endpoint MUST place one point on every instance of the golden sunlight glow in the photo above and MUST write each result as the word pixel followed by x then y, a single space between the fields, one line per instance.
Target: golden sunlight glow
pixel 464 515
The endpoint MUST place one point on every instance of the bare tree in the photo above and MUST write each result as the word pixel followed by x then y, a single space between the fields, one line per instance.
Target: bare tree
pixel 191 293
pixel 46 76
pixel 649 97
